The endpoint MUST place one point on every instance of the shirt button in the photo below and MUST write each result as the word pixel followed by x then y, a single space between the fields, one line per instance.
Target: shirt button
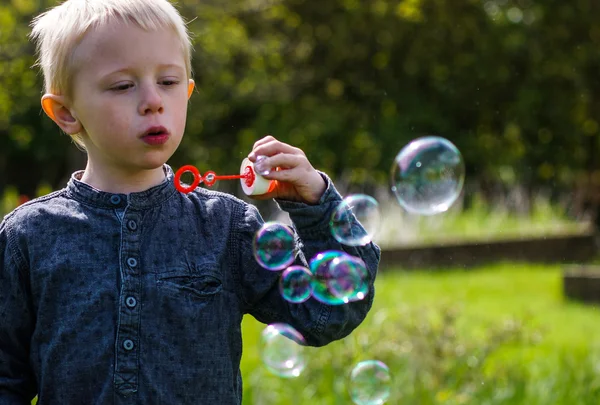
pixel 128 344
pixel 131 302
pixel 115 199
pixel 132 262
pixel 132 225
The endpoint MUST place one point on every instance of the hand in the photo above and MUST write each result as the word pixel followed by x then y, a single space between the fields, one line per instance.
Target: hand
pixel 296 179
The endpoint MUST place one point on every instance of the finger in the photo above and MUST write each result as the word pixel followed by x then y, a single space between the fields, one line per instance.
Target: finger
pixel 268 138
pixel 297 174
pixel 276 147
pixel 283 161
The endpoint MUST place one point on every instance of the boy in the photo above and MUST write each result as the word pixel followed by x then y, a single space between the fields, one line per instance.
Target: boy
pixel 118 289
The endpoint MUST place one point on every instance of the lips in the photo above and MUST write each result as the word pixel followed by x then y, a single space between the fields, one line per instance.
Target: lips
pixel 156 135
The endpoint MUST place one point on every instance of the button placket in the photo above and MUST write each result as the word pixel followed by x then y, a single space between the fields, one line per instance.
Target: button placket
pixel 129 311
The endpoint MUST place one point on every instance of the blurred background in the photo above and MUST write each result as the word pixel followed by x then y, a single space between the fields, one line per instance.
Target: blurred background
pixel 514 84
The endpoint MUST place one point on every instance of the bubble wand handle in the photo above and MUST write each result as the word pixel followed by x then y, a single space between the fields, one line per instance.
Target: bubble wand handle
pixel 209 178
pixel 231 177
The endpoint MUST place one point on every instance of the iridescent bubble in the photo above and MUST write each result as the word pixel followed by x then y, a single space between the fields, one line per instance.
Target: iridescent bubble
pixel 428 175
pixel 322 277
pixel 349 279
pixel 295 284
pixel 370 383
pixel 282 350
pixel 273 246
pixel 355 220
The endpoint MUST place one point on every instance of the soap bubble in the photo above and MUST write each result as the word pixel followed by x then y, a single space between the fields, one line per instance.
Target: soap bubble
pixel 295 284
pixel 320 266
pixel 370 383
pixel 273 246
pixel 349 279
pixel 282 350
pixel 355 220
pixel 428 175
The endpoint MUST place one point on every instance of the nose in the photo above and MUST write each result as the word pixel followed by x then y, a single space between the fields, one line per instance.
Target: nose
pixel 151 100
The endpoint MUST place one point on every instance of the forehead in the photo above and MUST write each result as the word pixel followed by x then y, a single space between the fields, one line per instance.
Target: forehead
pixel 116 45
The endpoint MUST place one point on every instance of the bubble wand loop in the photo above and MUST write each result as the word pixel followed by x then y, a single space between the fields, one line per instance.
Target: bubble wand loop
pixel 209 178
pixel 253 182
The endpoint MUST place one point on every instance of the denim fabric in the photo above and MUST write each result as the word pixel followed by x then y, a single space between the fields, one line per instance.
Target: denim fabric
pixel 138 299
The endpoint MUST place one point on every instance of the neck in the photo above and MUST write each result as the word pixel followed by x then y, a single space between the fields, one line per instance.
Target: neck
pixel 122 181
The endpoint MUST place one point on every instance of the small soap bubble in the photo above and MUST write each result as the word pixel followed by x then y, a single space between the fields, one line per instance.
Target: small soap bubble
pixel 273 246
pixel 282 350
pixel 355 220
pixel 295 284
pixel 428 175
pixel 349 278
pixel 370 383
pixel 260 167
pixel 323 277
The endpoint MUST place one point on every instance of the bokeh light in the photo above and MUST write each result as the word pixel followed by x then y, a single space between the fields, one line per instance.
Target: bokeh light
pixel 356 220
pixel 273 246
pixel 370 383
pixel 428 175
pixel 295 284
pixel 282 350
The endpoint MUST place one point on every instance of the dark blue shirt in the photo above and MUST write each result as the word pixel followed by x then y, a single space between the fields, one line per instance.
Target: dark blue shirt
pixel 138 298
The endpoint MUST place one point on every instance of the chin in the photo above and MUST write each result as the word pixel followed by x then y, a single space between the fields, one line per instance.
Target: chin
pixel 152 165
pixel 154 161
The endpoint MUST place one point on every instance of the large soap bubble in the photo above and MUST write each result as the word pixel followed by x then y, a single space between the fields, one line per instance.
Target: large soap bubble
pixel 428 175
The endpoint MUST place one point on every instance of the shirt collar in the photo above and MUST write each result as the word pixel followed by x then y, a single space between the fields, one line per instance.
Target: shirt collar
pixel 144 199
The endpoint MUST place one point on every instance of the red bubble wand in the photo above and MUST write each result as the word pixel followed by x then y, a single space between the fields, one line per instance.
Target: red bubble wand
pixel 210 178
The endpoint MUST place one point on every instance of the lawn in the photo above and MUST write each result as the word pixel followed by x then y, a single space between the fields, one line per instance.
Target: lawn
pixel 499 334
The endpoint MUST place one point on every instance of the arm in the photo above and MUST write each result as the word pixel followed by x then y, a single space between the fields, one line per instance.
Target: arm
pixel 310 198
pixel 319 323
pixel 17 382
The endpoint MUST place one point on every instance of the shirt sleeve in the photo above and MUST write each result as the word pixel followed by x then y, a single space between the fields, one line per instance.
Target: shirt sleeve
pixel 17 382
pixel 318 322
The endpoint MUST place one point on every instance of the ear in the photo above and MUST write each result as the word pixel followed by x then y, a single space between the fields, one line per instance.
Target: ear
pixel 56 108
pixel 191 85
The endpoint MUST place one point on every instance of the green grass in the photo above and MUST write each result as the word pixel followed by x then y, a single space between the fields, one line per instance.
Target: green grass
pixel 501 334
pixel 482 221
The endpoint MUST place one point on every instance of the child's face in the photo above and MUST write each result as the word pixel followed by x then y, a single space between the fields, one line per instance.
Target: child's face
pixel 130 93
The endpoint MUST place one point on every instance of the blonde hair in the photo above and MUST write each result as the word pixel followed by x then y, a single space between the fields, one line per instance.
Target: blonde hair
pixel 58 31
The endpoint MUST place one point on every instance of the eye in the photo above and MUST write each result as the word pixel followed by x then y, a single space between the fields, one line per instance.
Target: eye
pixel 122 87
pixel 169 82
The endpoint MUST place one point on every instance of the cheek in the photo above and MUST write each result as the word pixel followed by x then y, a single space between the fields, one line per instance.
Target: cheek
pixel 180 115
pixel 107 124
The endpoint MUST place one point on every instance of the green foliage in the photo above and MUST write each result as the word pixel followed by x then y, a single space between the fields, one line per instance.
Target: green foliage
pixel 512 83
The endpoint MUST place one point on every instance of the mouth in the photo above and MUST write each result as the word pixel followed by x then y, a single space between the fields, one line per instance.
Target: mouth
pixel 156 135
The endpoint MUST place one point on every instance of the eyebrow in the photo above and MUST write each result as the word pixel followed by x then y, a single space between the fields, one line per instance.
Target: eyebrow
pixel 161 66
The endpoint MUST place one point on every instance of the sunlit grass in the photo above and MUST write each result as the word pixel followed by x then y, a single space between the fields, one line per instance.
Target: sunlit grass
pixel 481 221
pixel 510 320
